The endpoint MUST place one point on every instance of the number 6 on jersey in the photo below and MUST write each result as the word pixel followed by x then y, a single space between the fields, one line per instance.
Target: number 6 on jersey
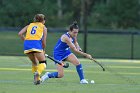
pixel 33 31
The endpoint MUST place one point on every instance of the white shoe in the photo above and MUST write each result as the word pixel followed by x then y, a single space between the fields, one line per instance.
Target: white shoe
pixel 45 77
pixel 84 81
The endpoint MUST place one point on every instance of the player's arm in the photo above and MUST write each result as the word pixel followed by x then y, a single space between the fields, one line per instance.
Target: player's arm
pixel 76 44
pixel 65 39
pixel 21 32
pixel 44 38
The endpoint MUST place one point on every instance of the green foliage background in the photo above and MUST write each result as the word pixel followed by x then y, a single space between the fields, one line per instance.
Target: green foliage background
pixel 112 14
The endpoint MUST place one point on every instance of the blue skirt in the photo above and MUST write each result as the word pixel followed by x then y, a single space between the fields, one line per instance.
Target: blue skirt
pixel 32 46
pixel 60 56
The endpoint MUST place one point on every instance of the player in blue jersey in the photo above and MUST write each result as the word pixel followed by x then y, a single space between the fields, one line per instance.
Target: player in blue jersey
pixel 62 53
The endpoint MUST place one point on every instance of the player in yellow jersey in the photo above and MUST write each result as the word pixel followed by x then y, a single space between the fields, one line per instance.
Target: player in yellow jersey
pixel 34 45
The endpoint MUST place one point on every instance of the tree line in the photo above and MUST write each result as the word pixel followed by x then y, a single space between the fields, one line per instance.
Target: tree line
pixel 101 14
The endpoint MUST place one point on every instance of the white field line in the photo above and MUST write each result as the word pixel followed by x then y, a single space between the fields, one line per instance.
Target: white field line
pixel 73 71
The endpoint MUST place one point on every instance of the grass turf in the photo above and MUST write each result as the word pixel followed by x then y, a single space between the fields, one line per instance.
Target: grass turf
pixel 121 76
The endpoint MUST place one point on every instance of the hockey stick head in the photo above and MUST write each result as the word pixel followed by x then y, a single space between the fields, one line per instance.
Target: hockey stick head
pixel 66 65
pixel 103 69
pixel 98 63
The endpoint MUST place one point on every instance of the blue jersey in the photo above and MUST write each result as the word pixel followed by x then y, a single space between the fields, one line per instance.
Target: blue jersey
pixel 61 49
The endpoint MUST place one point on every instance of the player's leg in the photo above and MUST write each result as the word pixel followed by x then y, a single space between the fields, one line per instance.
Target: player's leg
pixel 34 68
pixel 73 59
pixel 58 74
pixel 42 61
pixel 34 62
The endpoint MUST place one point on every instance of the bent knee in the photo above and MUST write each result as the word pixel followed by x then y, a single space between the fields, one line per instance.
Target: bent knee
pixel 60 75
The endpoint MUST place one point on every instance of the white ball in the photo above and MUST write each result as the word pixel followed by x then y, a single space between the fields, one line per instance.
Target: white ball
pixel 92 81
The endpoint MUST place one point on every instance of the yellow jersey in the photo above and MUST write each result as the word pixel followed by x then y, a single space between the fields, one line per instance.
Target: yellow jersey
pixel 34 31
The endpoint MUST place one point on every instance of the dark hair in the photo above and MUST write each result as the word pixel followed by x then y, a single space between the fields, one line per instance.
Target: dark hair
pixel 73 26
pixel 39 18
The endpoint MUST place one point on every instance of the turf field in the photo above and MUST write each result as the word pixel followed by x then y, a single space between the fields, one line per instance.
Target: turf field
pixel 122 76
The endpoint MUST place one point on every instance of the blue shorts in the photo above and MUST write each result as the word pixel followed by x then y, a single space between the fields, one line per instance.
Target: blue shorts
pixel 32 46
pixel 60 56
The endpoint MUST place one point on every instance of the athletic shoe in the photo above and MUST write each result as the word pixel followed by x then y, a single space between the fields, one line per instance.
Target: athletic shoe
pixel 84 81
pixel 36 78
pixel 45 77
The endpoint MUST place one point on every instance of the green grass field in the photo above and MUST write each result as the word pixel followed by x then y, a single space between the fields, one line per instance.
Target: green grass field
pixel 121 76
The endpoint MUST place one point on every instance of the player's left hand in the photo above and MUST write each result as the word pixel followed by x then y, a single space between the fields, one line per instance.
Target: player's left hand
pixel 89 56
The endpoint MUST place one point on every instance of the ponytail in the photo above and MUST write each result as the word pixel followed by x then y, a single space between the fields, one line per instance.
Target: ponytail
pixel 74 26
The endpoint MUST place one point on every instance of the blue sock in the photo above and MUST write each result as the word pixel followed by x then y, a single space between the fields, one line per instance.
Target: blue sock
pixel 80 71
pixel 53 75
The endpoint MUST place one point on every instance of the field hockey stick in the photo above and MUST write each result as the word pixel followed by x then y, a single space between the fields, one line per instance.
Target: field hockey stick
pixel 62 64
pixel 98 63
